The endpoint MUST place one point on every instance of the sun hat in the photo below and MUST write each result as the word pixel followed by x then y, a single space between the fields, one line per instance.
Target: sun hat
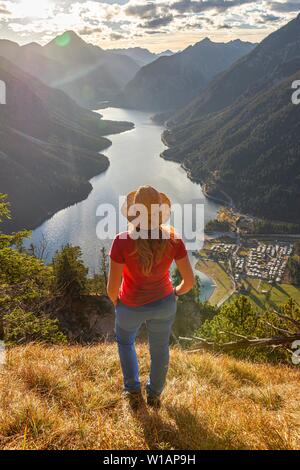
pixel 147 208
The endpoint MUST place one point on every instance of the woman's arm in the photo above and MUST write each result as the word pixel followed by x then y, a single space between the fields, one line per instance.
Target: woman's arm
pixel 187 274
pixel 114 280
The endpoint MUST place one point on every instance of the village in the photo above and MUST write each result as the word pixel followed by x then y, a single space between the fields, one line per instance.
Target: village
pixel 267 262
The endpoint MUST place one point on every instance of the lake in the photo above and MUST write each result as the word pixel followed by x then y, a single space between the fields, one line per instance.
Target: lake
pixel 134 161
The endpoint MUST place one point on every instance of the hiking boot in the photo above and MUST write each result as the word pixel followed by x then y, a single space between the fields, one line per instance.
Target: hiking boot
pixel 154 401
pixel 134 399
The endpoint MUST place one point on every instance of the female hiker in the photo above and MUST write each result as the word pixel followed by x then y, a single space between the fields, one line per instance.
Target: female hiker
pixel 139 285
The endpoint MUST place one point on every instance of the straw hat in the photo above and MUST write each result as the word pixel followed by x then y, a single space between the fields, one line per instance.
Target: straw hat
pixel 147 208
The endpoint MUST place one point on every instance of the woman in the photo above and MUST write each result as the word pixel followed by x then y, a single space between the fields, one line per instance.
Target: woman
pixel 139 285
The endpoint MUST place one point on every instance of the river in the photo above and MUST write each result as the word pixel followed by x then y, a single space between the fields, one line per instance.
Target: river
pixel 134 161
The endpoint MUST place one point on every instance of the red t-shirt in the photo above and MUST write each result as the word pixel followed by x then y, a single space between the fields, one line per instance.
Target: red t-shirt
pixel 136 288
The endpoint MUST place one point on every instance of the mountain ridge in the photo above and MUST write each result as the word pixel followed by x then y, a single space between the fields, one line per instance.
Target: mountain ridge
pixel 141 55
pixel 171 82
pixel 249 150
pixel 258 64
pixel 87 73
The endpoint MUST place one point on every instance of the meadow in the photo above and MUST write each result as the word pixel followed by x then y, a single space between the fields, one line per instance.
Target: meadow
pixel 71 398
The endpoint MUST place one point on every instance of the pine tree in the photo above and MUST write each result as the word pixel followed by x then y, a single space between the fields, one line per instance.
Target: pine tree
pixel 70 273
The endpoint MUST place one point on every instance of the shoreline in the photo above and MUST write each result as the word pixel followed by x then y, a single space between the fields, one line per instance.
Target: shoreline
pixel 227 202
pixel 189 176
pixel 218 285
pixel 84 190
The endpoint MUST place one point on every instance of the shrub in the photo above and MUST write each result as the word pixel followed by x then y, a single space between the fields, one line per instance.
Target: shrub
pixel 70 274
pixel 22 327
pixel 239 319
pixel 25 291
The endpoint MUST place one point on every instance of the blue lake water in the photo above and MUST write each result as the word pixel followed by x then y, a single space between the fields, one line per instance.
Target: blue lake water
pixel 134 161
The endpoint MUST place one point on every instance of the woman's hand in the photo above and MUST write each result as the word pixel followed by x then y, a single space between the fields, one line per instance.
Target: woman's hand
pixel 188 278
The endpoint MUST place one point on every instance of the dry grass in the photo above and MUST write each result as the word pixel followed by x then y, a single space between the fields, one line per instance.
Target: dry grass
pixel 70 398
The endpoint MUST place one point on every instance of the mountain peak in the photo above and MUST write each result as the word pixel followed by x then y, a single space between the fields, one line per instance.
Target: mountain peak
pixel 32 45
pixel 72 35
pixel 204 42
pixel 67 38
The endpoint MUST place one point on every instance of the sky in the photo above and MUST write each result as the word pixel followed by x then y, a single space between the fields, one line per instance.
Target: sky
pixel 156 25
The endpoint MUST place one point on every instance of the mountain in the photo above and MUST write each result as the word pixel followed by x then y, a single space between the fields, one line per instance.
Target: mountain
pixel 241 136
pixel 257 69
pixel 250 151
pixel 166 53
pixel 49 148
pixel 141 55
pixel 172 82
pixel 91 74
pixel 85 72
pixel 31 59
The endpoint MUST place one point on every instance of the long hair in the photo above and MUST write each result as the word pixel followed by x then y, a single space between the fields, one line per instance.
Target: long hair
pixel 151 251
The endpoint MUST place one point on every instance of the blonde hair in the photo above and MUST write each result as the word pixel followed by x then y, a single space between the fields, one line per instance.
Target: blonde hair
pixel 158 241
pixel 151 251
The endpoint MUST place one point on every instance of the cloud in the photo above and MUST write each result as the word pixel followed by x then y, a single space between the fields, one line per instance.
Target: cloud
pixel 4 11
pixel 285 7
pixel 225 26
pixel 199 6
pixel 87 31
pixel 131 20
pixel 116 36
pixel 142 10
pixel 158 22
pixel 269 18
pixel 149 15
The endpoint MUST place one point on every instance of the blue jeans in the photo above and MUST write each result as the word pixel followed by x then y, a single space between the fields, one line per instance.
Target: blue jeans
pixel 159 317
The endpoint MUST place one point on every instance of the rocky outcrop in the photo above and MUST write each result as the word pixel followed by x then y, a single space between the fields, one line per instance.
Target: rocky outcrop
pixel 88 320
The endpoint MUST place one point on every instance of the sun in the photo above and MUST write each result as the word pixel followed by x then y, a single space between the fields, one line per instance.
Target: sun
pixel 33 8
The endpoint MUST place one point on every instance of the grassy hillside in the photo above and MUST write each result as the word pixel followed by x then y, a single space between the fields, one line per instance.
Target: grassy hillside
pixel 70 398
pixel 263 296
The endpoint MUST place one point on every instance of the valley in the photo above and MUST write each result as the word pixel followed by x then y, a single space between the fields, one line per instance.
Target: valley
pixel 142 165
pixel 146 346
pixel 230 147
